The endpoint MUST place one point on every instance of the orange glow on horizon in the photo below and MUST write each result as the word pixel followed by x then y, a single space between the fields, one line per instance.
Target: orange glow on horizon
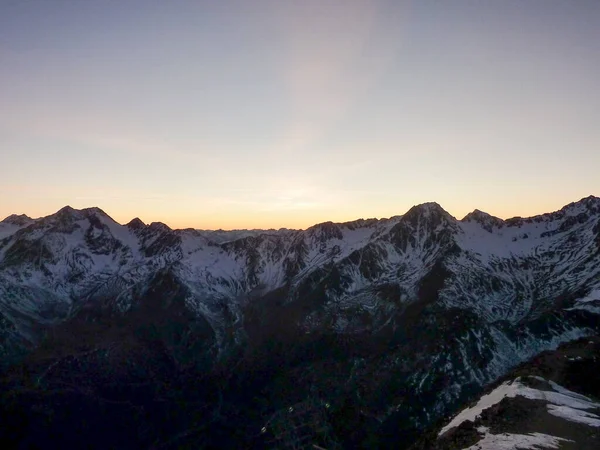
pixel 178 216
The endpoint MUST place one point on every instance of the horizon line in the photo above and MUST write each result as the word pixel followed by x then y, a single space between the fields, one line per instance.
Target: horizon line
pixel 591 196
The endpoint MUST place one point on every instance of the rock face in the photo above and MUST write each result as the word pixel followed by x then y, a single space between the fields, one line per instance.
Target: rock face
pixel 392 322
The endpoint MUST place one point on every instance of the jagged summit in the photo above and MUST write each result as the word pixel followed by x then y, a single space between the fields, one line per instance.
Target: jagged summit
pixel 477 214
pixel 325 231
pixel 136 224
pixel 94 210
pixel 66 214
pixel 18 219
pixel 65 210
pixel 360 223
pixel 590 204
pixel 430 213
pixel 159 226
pixel 428 209
pixel 579 211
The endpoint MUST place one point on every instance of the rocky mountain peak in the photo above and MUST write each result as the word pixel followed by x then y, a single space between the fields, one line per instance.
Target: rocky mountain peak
pixel 95 211
pixel 430 213
pixel 159 227
pixel 64 217
pixel 18 219
pixel 325 231
pixel 590 205
pixel 428 209
pixel 574 213
pixel 136 224
pixel 487 221
pixel 360 223
pixel 66 210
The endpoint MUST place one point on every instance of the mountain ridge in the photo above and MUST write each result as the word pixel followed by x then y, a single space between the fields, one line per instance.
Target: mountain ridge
pixel 591 201
pixel 417 309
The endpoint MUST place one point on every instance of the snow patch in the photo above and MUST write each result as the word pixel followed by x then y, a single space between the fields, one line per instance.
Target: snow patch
pixel 592 296
pixel 574 415
pixel 506 441
pixel 584 307
pixel 507 389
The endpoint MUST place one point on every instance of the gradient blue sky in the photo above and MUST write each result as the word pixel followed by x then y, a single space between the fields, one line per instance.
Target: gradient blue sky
pixel 274 113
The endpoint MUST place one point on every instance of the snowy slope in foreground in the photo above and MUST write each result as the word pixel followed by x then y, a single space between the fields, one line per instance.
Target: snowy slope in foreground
pixel 532 408
pixel 563 418
pixel 560 401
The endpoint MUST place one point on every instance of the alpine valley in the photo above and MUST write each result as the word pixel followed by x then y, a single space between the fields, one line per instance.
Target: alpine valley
pixel 363 334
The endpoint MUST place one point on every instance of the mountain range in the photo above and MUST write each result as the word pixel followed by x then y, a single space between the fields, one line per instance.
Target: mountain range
pixel 370 332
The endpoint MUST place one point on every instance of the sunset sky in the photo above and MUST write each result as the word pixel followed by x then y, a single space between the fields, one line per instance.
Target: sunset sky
pixel 274 113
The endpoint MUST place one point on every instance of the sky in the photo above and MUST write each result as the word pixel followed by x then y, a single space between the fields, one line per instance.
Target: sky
pixel 274 113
